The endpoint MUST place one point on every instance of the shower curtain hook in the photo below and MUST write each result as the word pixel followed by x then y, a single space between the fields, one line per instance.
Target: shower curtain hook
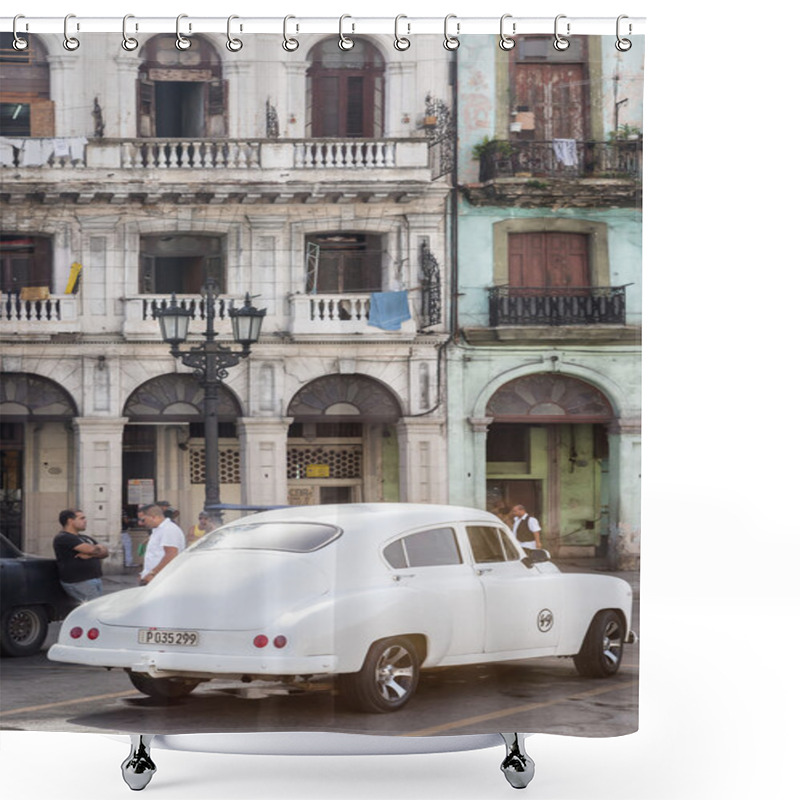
pixel 345 43
pixel 506 42
pixel 128 42
pixel 401 42
pixel 560 43
pixel 70 42
pixel 623 45
pixel 19 43
pixel 181 42
pixel 451 42
pixel 289 44
pixel 233 44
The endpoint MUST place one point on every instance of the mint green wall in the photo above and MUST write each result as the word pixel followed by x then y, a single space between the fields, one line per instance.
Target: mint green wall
pixel 476 254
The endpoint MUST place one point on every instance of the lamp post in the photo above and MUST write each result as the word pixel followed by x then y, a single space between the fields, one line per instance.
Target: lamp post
pixel 210 361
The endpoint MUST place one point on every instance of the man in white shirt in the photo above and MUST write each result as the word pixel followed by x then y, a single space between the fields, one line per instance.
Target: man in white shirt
pixel 165 542
pixel 529 536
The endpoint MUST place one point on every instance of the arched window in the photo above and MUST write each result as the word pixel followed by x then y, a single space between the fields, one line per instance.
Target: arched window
pixel 345 90
pixel 25 105
pixel 181 92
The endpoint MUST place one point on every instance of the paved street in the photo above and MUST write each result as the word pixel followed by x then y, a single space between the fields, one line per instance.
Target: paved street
pixel 545 695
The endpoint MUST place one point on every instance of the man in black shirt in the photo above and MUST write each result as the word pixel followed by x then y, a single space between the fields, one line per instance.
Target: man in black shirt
pixel 78 557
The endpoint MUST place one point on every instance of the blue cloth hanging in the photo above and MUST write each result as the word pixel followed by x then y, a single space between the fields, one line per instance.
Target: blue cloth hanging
pixel 388 310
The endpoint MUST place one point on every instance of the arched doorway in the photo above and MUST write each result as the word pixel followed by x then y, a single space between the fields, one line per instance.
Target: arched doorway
pixel 35 413
pixel 163 446
pixel 181 93
pixel 342 445
pixel 345 94
pixel 547 448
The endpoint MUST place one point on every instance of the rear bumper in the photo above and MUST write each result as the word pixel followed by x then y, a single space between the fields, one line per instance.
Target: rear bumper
pixel 156 663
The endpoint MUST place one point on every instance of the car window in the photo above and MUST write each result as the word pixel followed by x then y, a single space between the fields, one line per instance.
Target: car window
pixel 434 548
pixel 292 537
pixel 489 544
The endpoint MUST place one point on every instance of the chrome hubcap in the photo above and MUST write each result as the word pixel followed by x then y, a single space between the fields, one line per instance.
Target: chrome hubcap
pixel 394 673
pixel 612 643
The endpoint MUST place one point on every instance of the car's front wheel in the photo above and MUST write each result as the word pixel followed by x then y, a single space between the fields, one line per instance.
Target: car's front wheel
pixel 24 630
pixel 601 652
pixel 162 688
pixel 388 679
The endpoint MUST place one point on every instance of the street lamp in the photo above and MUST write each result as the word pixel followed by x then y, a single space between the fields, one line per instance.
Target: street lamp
pixel 210 361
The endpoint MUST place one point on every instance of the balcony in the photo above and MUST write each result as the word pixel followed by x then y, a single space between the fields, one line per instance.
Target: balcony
pixel 618 159
pixel 532 305
pixel 186 170
pixel 141 322
pixel 38 318
pixel 336 315
pixel 579 174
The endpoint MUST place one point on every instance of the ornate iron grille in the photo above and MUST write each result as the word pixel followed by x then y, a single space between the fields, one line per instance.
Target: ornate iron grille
pixel 342 460
pixel 622 159
pixel 531 305
pixel 229 463
pixel 440 131
pixel 431 311
pixel 273 128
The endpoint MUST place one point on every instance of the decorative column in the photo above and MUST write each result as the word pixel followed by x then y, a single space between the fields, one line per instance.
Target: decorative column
pixel 262 444
pixel 480 430
pixel 127 108
pixel 625 466
pixel 423 465
pixel 98 480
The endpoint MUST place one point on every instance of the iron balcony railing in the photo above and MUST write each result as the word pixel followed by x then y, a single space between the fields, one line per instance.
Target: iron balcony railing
pixel 618 159
pixel 534 305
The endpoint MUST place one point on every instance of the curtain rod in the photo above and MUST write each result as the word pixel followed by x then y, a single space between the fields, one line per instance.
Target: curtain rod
pixel 405 25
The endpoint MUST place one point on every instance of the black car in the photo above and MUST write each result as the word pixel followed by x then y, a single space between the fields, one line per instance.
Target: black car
pixel 30 598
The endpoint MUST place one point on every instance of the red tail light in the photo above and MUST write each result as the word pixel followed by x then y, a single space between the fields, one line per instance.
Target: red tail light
pixel 93 633
pixel 76 633
pixel 261 641
pixel 279 641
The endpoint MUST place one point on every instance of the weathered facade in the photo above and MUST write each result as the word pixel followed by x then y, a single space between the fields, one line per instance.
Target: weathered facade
pixel 307 179
pixel 544 399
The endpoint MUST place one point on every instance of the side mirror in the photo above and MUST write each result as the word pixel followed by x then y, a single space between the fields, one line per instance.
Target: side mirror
pixel 532 557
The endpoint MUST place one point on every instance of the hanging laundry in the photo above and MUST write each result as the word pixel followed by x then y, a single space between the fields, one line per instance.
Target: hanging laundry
pixel 566 151
pixel 36 152
pixel 7 147
pixel 388 310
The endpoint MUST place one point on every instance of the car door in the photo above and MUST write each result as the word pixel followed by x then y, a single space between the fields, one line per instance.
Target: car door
pixel 522 606
pixel 430 562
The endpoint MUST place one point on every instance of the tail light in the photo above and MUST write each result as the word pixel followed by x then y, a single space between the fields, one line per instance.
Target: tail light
pixel 279 641
pixel 76 633
pixel 260 641
pixel 93 633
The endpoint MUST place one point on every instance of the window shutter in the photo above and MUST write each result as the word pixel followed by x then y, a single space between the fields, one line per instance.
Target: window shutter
pixel 43 119
pixel 147 105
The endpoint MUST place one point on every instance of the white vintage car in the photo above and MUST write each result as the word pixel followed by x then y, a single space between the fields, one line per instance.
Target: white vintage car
pixel 371 593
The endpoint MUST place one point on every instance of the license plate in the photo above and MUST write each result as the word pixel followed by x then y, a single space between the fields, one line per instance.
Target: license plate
pixel 181 638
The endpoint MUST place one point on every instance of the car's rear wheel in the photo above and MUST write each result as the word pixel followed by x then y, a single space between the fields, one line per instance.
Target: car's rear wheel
pixel 601 652
pixel 388 679
pixel 24 630
pixel 162 688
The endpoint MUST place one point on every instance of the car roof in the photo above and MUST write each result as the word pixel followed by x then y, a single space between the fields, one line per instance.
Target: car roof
pixel 385 518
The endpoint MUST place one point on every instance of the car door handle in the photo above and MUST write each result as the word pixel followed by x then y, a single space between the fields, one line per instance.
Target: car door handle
pixel 482 570
pixel 398 578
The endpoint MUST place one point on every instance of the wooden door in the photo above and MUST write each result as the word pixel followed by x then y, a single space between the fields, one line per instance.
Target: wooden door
pixel 556 95
pixel 548 260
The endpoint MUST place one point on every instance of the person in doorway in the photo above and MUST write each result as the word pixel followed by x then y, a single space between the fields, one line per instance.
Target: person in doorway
pixel 526 528
pixel 78 557
pixel 165 543
pixel 203 526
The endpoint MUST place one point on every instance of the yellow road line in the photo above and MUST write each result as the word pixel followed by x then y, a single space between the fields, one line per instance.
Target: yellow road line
pixel 67 703
pixel 506 712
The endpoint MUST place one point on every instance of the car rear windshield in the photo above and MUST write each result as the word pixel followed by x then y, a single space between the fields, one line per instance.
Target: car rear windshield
pixel 289 537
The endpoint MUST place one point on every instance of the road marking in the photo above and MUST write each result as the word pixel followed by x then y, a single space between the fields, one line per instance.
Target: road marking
pixel 68 703
pixel 463 723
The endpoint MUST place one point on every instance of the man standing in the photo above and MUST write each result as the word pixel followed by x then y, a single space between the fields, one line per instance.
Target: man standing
pixel 165 542
pixel 78 557
pixel 526 528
